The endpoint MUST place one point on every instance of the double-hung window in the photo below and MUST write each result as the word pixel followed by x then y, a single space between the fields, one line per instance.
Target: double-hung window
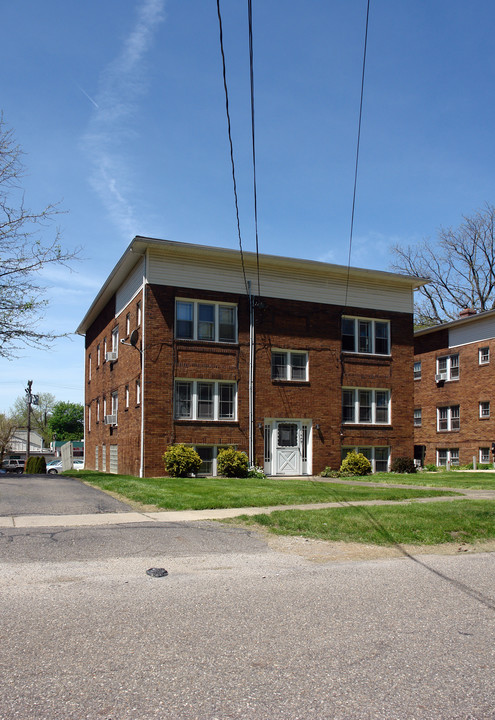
pixel 379 457
pixel 205 400
pixel 484 355
pixel 289 365
pixel 366 406
pixel 213 322
pixel 417 417
pixel 484 455
pixel 448 418
pixel 363 335
pixel 448 455
pixel 484 410
pixel 448 367
pixel 417 370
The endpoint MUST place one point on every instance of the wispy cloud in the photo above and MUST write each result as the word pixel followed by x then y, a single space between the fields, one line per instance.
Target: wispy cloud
pixel 121 84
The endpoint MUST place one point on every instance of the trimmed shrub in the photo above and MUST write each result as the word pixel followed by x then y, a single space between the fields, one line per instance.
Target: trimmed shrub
pixel 403 465
pixel 431 468
pixel 232 463
pixel 181 460
pixel 355 464
pixel 35 466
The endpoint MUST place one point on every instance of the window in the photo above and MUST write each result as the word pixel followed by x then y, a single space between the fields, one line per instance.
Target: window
pixel 98 410
pixel 208 455
pixel 366 406
pixel 444 456
pixel 485 455
pixel 138 392
pixel 89 419
pixel 104 349
pixel 448 368
pixel 98 355
pixel 138 313
pixel 89 367
pixel 205 400
pixel 212 322
pixel 484 355
pixel 115 404
pixel 417 370
pixel 104 406
pixel 448 418
pixel 115 339
pixel 366 336
pixel 126 396
pixel 289 365
pixel 378 456
pixel 128 324
pixel 484 410
pixel 417 417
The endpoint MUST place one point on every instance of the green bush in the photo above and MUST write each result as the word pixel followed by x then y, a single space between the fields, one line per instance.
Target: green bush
pixel 355 464
pixel 328 472
pixel 181 460
pixel 431 467
pixel 35 466
pixel 232 463
pixel 403 465
pixel 256 472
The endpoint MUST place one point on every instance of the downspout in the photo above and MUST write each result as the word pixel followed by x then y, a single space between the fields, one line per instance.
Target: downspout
pixel 143 316
pixel 251 377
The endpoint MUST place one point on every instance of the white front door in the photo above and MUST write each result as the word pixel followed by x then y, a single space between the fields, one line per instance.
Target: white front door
pixel 288 447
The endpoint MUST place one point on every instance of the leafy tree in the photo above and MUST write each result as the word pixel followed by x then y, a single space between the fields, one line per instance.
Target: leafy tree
pixel 23 254
pixel 67 421
pixel 460 265
pixel 40 414
pixel 7 429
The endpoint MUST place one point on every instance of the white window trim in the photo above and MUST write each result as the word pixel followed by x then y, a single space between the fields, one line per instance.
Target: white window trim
pixel 89 367
pixel 98 410
pixel 355 391
pixel 138 392
pixel 98 355
pixel 195 321
pixel 216 400
pixel 448 452
pixel 417 373
pixel 484 416
pixel 288 365
pixel 449 418
pixel 115 405
pixel 418 417
pixel 448 371
pixel 115 339
pixel 481 460
pixel 372 448
pixel 480 354
pixel 373 322
pixel 216 450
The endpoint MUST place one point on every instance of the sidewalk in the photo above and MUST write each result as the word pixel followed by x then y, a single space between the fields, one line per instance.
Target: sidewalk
pixel 174 516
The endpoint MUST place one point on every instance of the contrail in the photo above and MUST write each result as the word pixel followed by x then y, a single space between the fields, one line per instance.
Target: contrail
pixel 89 98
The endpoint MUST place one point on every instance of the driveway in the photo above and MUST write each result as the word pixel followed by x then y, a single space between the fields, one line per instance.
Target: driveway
pixel 53 495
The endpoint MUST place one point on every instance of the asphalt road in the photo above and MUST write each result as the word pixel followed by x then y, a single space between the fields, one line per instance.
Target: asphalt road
pixel 236 630
pixel 53 495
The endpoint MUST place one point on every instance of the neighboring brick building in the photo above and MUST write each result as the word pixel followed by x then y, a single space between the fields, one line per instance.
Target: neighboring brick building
pixel 454 384
pixel 295 377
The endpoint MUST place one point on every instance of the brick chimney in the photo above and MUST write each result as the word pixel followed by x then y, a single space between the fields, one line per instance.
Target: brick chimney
pixel 467 312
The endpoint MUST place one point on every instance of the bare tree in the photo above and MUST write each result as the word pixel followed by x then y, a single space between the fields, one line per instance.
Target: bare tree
pixel 23 254
pixel 7 429
pixel 460 265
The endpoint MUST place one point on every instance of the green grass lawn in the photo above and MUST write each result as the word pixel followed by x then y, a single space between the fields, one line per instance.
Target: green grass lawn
pixel 455 479
pixel 414 523
pixel 203 493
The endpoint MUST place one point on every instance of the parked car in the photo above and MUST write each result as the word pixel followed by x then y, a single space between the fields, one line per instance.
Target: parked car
pixel 55 466
pixel 13 466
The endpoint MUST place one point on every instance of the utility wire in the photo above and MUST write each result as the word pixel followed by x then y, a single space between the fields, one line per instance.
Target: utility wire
pixel 251 76
pixel 231 146
pixel 357 153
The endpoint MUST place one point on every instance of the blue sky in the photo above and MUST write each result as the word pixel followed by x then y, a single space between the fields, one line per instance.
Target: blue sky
pixel 120 109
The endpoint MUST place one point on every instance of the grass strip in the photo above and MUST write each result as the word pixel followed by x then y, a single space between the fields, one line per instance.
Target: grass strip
pixel 414 523
pixel 454 479
pixel 206 493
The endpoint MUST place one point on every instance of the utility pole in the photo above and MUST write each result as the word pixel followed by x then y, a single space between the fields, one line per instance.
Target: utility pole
pixel 31 400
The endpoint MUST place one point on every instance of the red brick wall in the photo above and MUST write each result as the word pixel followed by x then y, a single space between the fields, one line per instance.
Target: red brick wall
pixel 289 325
pixel 476 384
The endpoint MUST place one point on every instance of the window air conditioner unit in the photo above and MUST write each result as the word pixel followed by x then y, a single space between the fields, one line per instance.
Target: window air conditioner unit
pixel 111 356
pixel 440 376
pixel 110 419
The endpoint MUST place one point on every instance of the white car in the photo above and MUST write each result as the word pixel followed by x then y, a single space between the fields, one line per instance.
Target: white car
pixel 55 466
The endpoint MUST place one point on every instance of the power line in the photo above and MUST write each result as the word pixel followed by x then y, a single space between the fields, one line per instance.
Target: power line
pixel 231 145
pixel 357 153
pixel 251 77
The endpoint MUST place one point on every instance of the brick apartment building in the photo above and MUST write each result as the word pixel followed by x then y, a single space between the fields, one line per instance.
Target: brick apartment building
pixel 454 383
pixel 181 347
